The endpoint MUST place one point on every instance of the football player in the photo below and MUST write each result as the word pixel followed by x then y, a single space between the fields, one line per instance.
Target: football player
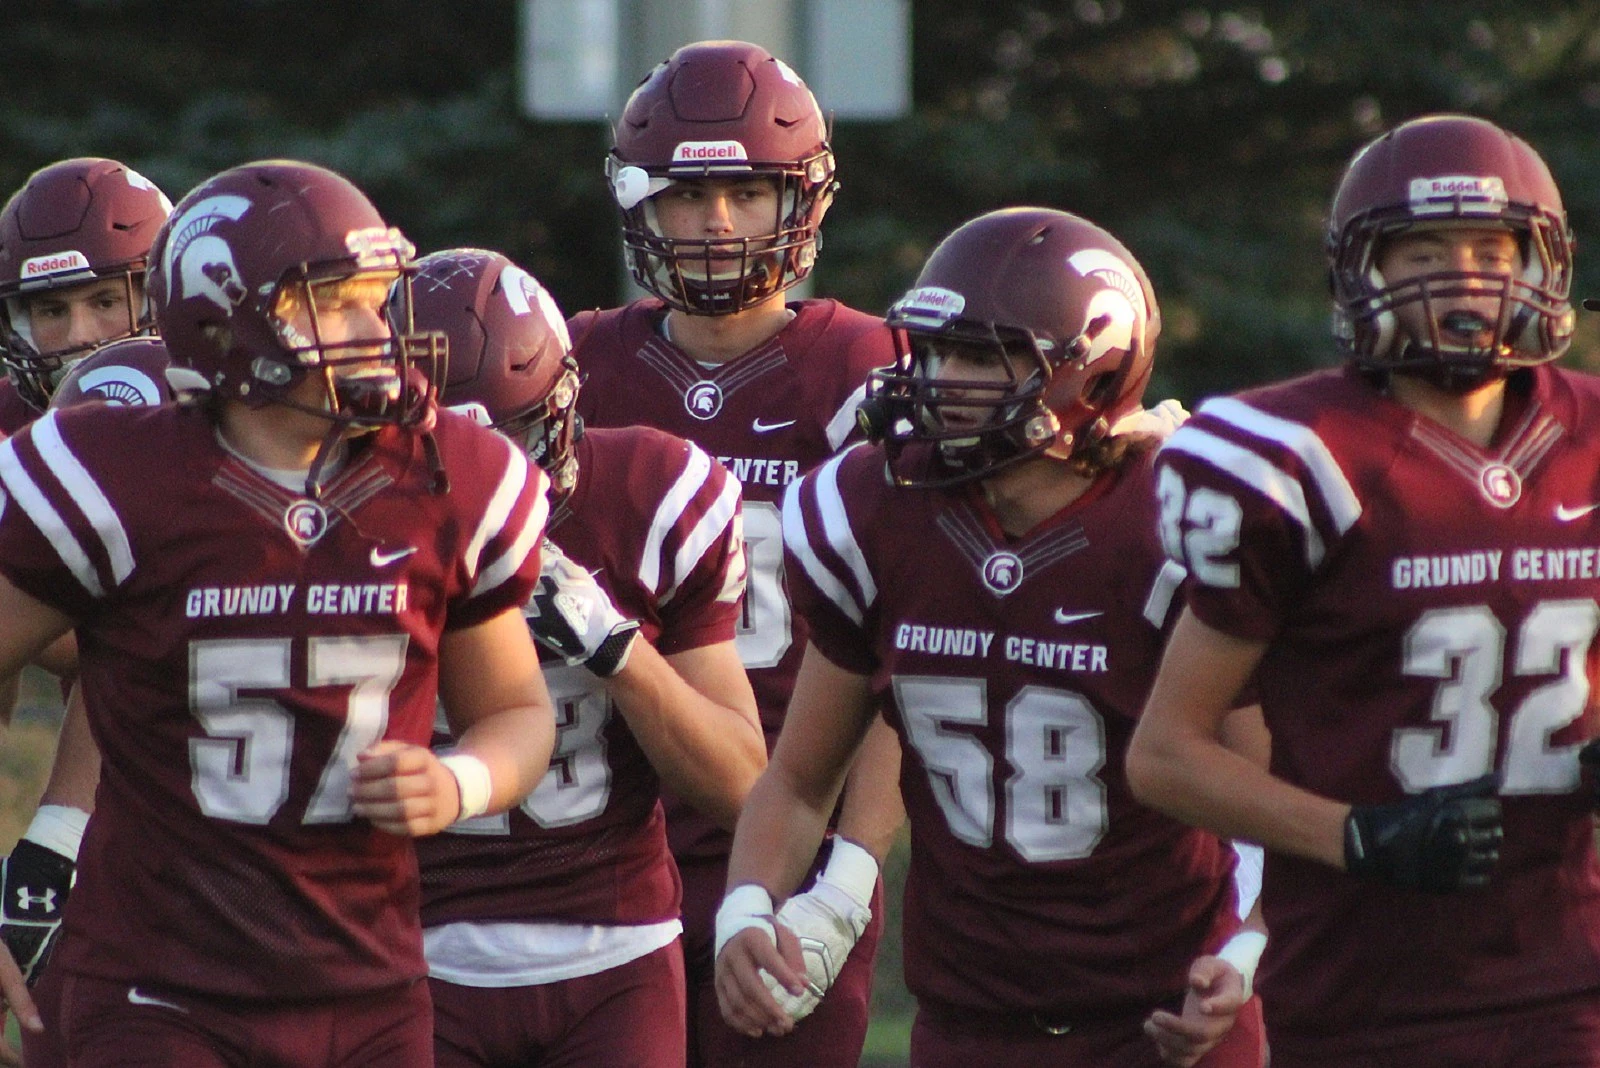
pixel 1397 554
pixel 74 249
pixel 551 931
pixel 723 173
pixel 37 879
pixel 271 584
pixel 988 576
pixel 74 245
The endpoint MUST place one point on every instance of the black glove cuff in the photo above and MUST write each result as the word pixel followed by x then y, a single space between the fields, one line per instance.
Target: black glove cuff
pixel 612 655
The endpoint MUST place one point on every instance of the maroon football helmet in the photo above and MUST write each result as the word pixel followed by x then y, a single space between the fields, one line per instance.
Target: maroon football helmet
pixel 1063 299
pixel 722 109
pixel 255 233
pixel 509 366
pixel 1443 171
pixel 73 222
pixel 130 373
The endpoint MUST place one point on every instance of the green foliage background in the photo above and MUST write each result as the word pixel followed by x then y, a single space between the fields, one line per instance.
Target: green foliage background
pixel 1207 135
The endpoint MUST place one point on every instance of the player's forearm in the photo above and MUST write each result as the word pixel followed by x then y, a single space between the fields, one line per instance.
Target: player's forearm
pixel 873 811
pixel 514 744
pixel 75 773
pixel 1197 779
pixel 778 834
pixel 707 753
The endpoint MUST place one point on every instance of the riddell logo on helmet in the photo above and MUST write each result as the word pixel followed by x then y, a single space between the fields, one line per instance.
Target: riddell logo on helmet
pixel 708 152
pixel 55 263
pixel 1445 192
pixel 928 306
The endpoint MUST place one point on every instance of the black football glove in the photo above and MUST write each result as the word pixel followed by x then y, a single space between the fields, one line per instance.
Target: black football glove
pixel 1441 840
pixel 572 615
pixel 1589 766
pixel 36 882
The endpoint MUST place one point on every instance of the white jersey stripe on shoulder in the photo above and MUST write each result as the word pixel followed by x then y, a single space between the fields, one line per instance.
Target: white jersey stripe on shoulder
pixel 1255 471
pixel 1343 504
pixel 510 562
pixel 37 508
pixel 797 542
pixel 86 494
pixel 512 480
pixel 1167 582
pixel 836 525
pixel 795 539
pixel 704 535
pixel 844 420
pixel 694 475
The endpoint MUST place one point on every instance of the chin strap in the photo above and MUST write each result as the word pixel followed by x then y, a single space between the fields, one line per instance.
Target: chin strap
pixel 318 472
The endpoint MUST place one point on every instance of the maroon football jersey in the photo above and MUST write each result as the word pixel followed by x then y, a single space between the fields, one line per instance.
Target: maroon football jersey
pixel 1012 670
pixel 770 416
pixel 15 413
pixel 1431 612
pixel 239 644
pixel 656 520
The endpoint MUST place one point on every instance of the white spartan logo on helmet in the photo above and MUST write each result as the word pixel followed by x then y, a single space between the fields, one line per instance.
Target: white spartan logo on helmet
pixel 205 266
pixel 1122 301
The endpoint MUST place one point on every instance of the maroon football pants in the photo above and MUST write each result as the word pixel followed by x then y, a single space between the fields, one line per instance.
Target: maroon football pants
pixel 832 1035
pixel 628 1015
pixel 967 1039
pixel 104 1024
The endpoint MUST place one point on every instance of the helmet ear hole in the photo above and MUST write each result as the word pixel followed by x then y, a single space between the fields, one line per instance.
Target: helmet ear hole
pixel 1100 390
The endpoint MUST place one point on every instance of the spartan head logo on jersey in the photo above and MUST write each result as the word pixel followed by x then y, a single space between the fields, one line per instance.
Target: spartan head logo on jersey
pixel 200 263
pixel 703 400
pixel 306 521
pixel 1501 485
pixel 1002 572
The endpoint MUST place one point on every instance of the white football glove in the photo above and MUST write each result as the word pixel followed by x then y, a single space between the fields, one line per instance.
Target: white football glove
pixel 828 919
pixel 572 615
pixel 1151 425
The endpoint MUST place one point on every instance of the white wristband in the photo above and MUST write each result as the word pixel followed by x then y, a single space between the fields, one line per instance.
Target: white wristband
pixel 473 779
pixel 59 828
pixel 852 870
pixel 1243 951
pixel 746 905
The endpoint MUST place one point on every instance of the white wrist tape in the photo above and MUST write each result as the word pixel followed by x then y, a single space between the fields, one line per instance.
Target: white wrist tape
pixel 747 905
pixel 1243 951
pixel 473 779
pixel 851 869
pixel 59 828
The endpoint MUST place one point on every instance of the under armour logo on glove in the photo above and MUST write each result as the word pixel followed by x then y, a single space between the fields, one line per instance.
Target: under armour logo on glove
pixel 571 614
pixel 37 882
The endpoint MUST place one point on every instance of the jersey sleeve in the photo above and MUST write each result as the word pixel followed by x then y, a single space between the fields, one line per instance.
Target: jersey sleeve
pixel 502 556
pixel 830 582
pixel 62 539
pixel 694 556
pixel 1251 505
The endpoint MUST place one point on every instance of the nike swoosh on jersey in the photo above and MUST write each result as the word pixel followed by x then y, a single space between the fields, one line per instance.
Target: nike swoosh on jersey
pixel 383 559
pixel 136 998
pixel 766 428
pixel 1567 515
pixel 1075 617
